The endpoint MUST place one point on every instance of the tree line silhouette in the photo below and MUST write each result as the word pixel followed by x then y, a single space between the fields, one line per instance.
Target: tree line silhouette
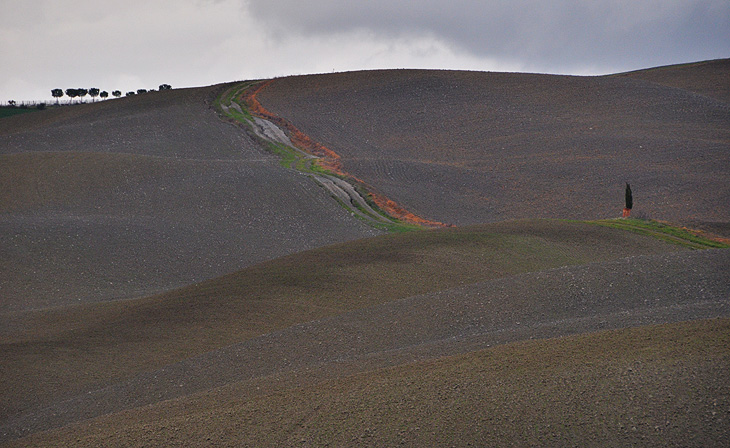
pixel 94 92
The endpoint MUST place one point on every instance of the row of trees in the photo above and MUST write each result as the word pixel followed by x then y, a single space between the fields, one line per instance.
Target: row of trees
pixel 94 92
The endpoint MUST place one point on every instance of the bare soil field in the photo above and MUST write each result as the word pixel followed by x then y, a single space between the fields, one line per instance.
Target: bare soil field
pixel 710 78
pixel 351 308
pixel 629 292
pixel 129 197
pixel 95 343
pixel 647 386
pixel 468 147
pixel 166 280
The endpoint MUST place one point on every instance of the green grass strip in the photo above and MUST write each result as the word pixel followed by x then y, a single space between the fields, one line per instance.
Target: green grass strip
pixel 10 111
pixel 662 231
pixel 291 158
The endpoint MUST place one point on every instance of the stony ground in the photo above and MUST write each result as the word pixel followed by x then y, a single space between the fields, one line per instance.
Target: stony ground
pixel 626 293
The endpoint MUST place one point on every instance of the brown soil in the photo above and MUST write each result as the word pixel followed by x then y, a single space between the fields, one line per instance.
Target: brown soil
pixel 649 386
pixel 467 147
pixel 328 159
pixel 710 78
pixel 129 197
pixel 101 343
pixel 511 333
pixel 629 292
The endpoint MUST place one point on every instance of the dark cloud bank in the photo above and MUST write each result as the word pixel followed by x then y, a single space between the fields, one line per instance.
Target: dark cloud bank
pixel 561 35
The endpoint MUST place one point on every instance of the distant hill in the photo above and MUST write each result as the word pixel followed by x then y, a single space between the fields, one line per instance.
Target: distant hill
pixel 469 147
pixel 710 78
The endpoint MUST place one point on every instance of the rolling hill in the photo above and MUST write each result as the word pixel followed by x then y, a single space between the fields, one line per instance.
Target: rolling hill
pixel 471 147
pixel 177 272
pixel 126 198
pixel 367 304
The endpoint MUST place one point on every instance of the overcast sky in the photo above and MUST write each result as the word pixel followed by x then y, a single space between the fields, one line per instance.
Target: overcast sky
pixel 132 44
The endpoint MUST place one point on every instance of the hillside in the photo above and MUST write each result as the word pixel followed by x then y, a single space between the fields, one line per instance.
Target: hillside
pixel 362 306
pixel 710 78
pixel 648 386
pixel 217 267
pixel 129 197
pixel 470 147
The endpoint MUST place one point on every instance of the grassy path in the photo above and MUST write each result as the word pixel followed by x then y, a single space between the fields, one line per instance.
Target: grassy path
pixel 324 161
pixel 348 192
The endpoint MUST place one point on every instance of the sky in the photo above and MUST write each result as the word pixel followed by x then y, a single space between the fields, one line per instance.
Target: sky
pixel 132 44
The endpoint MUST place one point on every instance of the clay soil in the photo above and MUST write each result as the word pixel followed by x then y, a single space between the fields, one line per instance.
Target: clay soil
pixel 647 386
pixel 231 394
pixel 353 309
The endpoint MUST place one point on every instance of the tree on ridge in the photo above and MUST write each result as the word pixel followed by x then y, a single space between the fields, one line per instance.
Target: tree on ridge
pixel 82 93
pixel 57 93
pixel 72 93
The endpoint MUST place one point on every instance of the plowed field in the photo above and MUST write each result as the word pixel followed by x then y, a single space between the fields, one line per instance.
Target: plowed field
pixel 139 195
pixel 468 147
pixel 106 368
pixel 166 281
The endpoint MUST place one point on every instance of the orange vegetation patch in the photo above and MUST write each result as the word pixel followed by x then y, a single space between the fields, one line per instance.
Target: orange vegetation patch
pixel 708 236
pixel 395 210
pixel 329 160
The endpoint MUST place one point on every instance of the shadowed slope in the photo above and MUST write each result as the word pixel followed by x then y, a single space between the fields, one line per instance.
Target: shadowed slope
pixel 648 386
pixel 466 147
pixel 88 344
pixel 134 196
pixel 50 356
pixel 629 292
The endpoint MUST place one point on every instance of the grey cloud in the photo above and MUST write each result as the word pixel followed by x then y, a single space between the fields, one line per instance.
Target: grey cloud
pixel 122 44
pixel 557 33
pixel 128 44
